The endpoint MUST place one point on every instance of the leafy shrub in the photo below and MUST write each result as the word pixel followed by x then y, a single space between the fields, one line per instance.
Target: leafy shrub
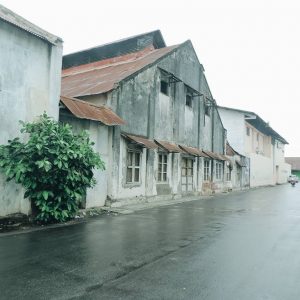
pixel 55 166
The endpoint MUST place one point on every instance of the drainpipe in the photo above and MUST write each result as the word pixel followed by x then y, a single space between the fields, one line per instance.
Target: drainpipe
pixel 212 137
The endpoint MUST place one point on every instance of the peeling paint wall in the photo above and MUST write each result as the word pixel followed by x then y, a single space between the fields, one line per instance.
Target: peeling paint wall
pixel 30 74
pixel 150 113
pixel 101 135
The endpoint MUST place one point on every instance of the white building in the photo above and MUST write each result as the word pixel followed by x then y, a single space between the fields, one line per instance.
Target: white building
pixel 30 70
pixel 252 137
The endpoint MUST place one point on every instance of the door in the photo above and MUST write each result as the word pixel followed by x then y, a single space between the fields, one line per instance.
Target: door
pixel 186 175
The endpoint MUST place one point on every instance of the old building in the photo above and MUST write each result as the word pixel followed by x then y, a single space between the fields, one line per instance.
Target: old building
pixel 30 72
pixel 294 162
pixel 252 137
pixel 172 141
pixel 237 170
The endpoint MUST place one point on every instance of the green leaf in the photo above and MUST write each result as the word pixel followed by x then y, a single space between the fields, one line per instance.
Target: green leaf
pixel 45 194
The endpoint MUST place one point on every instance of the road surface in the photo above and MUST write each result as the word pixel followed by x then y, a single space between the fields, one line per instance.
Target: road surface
pixel 242 245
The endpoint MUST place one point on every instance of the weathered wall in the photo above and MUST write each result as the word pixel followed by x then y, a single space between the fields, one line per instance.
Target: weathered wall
pixel 235 124
pixel 152 114
pixel 261 170
pixel 101 136
pixel 30 71
pixel 282 169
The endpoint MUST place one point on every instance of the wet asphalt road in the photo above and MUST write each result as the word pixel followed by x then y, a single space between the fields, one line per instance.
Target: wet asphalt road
pixel 243 245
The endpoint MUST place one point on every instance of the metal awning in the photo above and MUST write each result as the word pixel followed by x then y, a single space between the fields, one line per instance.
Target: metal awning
pixel 170 147
pixel 194 93
pixel 240 164
pixel 214 155
pixel 193 151
pixel 172 78
pixel 223 157
pixel 85 110
pixel 211 154
pixel 143 142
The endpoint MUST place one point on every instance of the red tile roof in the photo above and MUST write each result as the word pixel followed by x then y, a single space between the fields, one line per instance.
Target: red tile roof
pixel 101 77
pixel 85 110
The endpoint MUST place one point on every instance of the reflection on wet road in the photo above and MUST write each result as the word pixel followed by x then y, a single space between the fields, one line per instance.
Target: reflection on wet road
pixel 243 245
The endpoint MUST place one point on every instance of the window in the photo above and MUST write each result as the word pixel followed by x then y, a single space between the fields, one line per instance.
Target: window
pixel 162 167
pixel 218 170
pixel 187 174
pixel 248 131
pixel 188 96
pixel 164 87
pixel 228 174
pixel 188 100
pixel 257 137
pixel 133 166
pixel 207 107
pixel 206 170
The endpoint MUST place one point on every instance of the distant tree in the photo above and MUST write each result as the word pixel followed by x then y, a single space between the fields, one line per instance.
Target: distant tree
pixel 55 166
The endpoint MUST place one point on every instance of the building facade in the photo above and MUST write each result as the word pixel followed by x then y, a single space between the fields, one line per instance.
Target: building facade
pixel 30 72
pixel 252 137
pixel 173 140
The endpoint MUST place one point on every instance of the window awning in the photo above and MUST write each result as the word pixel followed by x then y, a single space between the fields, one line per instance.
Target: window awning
pixel 85 110
pixel 212 155
pixel 170 147
pixel 223 157
pixel 193 151
pixel 240 164
pixel 143 142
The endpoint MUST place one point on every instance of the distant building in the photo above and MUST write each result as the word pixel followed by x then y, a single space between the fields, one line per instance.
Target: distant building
pixel 30 72
pixel 252 137
pixel 237 171
pixel 170 142
pixel 295 165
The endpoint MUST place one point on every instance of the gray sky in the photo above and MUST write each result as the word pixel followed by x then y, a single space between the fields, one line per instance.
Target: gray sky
pixel 250 49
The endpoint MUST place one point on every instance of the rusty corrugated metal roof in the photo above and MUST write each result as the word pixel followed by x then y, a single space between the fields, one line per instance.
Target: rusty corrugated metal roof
pixel 144 142
pixel 193 151
pixel 229 150
pixel 11 17
pixel 212 155
pixel 101 77
pixel 223 157
pixel 240 164
pixel 170 147
pixel 84 110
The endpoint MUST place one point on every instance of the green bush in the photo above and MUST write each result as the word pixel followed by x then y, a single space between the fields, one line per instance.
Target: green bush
pixel 55 166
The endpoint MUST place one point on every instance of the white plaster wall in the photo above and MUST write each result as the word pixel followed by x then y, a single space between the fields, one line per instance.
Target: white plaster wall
pixel 97 195
pixel 235 124
pixel 261 170
pixel 30 72
pixel 281 169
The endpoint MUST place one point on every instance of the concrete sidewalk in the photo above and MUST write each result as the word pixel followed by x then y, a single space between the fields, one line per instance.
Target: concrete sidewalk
pixel 148 204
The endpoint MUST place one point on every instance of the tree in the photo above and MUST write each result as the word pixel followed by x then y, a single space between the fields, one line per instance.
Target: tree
pixel 55 166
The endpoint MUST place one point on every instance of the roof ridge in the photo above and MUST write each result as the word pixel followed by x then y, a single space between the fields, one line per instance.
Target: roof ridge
pixel 13 18
pixel 133 57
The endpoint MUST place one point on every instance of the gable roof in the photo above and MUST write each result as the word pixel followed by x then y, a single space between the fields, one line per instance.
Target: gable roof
pixel 256 121
pixel 294 162
pixel 114 49
pixel 10 17
pixel 88 111
pixel 102 76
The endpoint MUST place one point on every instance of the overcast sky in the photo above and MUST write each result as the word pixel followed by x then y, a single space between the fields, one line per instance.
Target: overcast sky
pixel 250 49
